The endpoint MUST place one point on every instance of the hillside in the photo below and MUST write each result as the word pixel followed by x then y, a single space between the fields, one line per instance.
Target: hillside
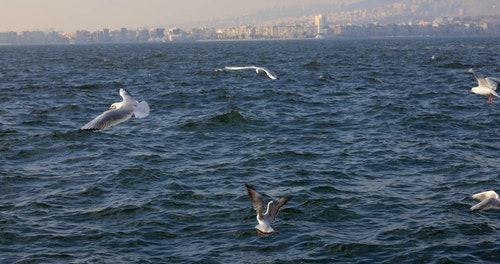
pixel 366 11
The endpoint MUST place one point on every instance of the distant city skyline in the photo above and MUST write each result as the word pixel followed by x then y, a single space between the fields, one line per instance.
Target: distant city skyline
pixel 73 15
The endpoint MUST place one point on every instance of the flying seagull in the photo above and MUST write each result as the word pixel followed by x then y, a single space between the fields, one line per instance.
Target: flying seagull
pixel 119 112
pixel 486 86
pixel 259 70
pixel 273 207
pixel 489 199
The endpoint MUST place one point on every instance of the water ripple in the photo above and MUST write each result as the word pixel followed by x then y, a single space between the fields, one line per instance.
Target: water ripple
pixel 379 147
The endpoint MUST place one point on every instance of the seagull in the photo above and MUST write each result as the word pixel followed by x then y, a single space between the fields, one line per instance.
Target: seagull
pixel 119 112
pixel 259 70
pixel 486 86
pixel 489 199
pixel 265 219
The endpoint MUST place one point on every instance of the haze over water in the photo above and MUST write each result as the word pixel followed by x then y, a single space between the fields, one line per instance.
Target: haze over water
pixel 94 14
pixel 379 146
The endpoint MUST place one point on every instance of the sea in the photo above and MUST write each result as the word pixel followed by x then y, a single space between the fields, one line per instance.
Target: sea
pixel 379 143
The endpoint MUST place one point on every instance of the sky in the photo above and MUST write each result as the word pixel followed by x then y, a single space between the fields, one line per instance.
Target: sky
pixel 72 15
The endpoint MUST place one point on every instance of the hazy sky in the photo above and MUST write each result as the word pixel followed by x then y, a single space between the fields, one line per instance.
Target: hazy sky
pixel 72 15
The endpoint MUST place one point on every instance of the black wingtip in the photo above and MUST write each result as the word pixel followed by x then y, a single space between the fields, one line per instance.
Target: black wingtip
pixel 284 199
pixel 249 186
pixel 126 91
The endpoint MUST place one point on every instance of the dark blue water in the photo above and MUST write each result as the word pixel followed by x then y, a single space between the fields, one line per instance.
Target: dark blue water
pixel 379 146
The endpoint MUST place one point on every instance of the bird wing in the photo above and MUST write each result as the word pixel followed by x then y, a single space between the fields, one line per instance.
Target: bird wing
pixel 127 97
pixel 270 74
pixel 141 109
pixel 482 82
pixel 473 74
pixel 257 201
pixel 488 203
pixel 492 82
pixel 485 195
pixel 108 118
pixel 274 207
pixel 231 68
pixel 495 79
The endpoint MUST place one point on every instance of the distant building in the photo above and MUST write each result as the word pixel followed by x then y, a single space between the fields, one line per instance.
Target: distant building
pixel 106 35
pixel 156 34
pixel 405 18
pixel 123 34
pixel 142 35
pixel 319 24
pixel 175 34
pixel 8 38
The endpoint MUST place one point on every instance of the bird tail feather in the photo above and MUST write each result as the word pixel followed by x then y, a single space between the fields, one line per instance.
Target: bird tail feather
pixel 142 110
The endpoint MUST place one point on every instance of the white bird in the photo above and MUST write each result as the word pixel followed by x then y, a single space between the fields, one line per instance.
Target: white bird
pixel 119 112
pixel 489 199
pixel 259 70
pixel 486 86
pixel 273 207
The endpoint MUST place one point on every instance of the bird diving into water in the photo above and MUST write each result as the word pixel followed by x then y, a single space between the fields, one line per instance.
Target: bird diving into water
pixel 486 86
pixel 119 112
pixel 259 70
pixel 273 207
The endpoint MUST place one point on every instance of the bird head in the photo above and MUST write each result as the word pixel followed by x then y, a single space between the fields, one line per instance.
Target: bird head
pixel 115 106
